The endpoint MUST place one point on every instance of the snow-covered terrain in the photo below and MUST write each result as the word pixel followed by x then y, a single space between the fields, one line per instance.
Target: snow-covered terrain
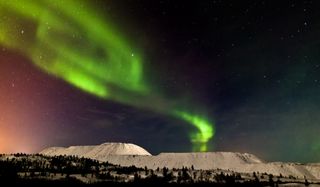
pixel 130 154
pixel 211 160
pixel 97 152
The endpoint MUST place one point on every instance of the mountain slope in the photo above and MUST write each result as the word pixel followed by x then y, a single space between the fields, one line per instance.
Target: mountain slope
pixel 210 160
pixel 130 154
pixel 97 152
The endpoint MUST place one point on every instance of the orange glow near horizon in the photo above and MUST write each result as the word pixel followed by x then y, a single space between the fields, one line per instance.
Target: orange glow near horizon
pixel 12 139
pixel 22 110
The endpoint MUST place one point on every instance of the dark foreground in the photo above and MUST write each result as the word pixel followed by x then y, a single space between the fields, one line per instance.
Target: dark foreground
pixel 75 182
pixel 60 171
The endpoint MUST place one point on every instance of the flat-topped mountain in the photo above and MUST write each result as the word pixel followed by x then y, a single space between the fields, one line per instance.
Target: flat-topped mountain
pixel 208 160
pixel 129 154
pixel 97 152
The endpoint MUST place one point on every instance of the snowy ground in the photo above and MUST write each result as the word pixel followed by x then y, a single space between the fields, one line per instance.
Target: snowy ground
pixel 130 154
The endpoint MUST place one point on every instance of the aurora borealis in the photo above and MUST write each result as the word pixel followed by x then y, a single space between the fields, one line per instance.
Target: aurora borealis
pixel 167 75
pixel 103 57
pixel 103 64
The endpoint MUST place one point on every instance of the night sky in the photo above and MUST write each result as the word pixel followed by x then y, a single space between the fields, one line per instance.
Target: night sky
pixel 170 76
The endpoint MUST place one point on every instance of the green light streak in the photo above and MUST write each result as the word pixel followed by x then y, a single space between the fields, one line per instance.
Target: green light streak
pixel 205 130
pixel 76 39
pixel 69 40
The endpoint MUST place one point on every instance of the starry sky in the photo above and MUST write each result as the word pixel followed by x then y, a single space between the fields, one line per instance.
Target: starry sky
pixel 170 76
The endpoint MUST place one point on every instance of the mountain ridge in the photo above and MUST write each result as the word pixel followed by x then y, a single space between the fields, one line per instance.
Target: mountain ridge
pixel 96 151
pixel 126 154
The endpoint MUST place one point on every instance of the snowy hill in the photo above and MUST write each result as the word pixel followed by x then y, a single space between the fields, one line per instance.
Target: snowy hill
pixel 211 160
pixel 97 152
pixel 237 162
pixel 130 154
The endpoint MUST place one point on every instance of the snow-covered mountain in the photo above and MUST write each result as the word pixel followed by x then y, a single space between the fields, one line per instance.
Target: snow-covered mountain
pixel 98 152
pixel 130 154
pixel 210 160
pixel 237 162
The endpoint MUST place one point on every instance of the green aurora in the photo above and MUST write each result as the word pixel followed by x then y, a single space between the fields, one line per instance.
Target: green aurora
pixel 88 53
